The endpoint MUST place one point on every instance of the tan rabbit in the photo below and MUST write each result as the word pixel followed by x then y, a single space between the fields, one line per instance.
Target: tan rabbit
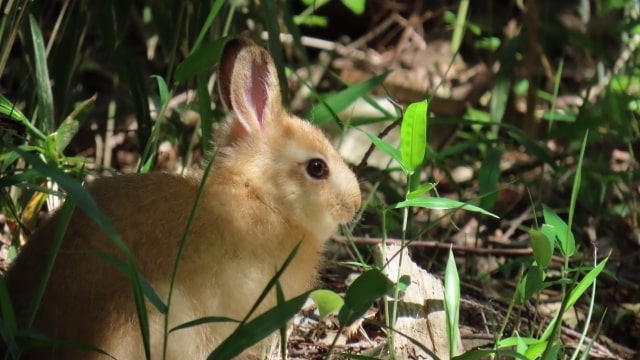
pixel 276 181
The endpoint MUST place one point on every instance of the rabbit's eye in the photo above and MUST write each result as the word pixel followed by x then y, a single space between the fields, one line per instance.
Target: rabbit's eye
pixel 317 169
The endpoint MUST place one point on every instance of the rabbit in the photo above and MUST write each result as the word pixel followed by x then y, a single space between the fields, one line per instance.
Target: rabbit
pixel 276 181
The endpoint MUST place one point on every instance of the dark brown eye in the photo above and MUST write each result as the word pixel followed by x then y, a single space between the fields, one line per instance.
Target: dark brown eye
pixel 317 169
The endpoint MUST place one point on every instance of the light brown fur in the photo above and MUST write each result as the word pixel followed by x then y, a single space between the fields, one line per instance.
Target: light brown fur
pixel 258 203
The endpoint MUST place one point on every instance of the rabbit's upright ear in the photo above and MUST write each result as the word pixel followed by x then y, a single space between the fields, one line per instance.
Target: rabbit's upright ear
pixel 249 84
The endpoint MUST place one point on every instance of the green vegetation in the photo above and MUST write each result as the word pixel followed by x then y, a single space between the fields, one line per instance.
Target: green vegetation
pixel 551 141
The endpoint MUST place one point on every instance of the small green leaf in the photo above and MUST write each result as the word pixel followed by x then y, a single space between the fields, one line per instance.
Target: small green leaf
pixel 367 288
pixel 204 320
pixel 404 282
pixel 542 247
pixel 356 6
pixel 311 20
pixel 163 90
pixel 43 85
pixel 566 244
pixel 327 301
pixel 413 135
pixel 438 203
pixel 71 125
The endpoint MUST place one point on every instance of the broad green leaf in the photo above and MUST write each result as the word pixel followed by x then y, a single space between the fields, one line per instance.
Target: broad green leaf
pixel 567 244
pixel 438 203
pixel 257 329
pixel 531 283
pixel 367 288
pixel 335 103
pixel 200 61
pixel 459 27
pixel 404 282
pixel 513 341
pixel 327 301
pixel 542 247
pixel 311 20
pixel 43 85
pixel 535 350
pixel 413 135
pixel 488 177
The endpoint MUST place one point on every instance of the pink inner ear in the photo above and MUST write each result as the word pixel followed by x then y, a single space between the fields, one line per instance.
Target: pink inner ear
pixel 257 92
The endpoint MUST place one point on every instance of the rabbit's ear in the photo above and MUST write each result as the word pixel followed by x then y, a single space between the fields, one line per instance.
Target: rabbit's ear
pixel 248 84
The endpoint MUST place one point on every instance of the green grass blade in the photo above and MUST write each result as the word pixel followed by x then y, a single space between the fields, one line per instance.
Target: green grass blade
pixel 333 104
pixel 250 333
pixel 459 29
pixel 452 303
pixel 58 236
pixel 9 326
pixel 438 203
pixel 80 196
pixel 576 185
pixel 46 122
pixel 271 11
pixel 206 114
pixel 124 268
pixel 9 110
pixel 215 9
pixel 200 60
